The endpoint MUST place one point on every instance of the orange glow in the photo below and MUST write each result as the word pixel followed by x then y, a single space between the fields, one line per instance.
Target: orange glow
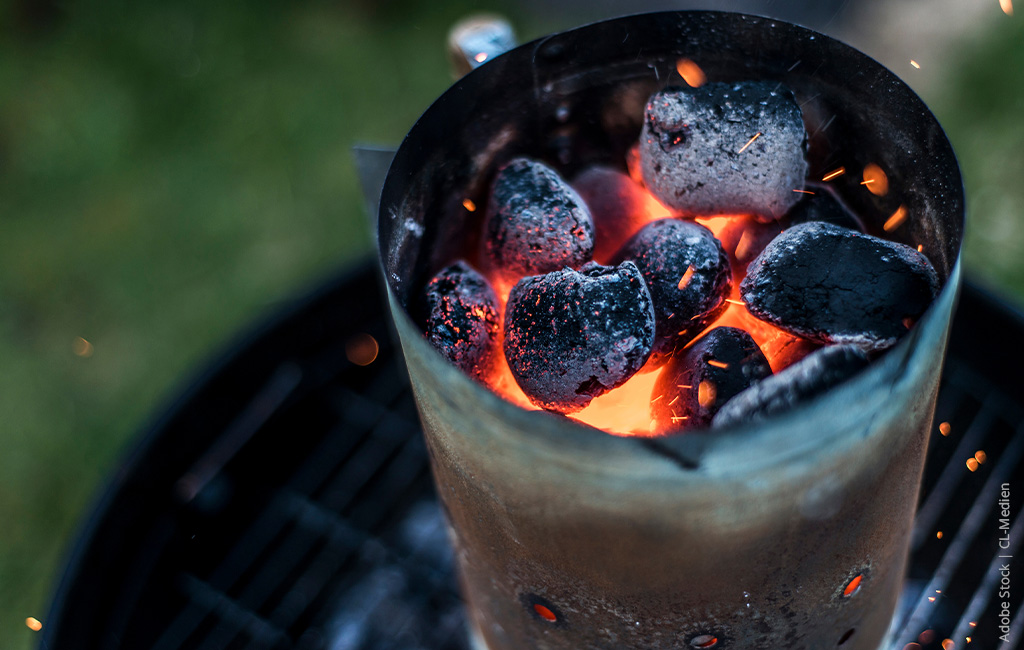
pixel 782 349
pixel 469 205
pixel 480 57
pixel 915 64
pixel 980 456
pixel 853 586
pixel 968 639
pixel 706 393
pixel 938 535
pixel 804 192
pixel 896 220
pixel 685 280
pixel 972 464
pixel 704 641
pixel 81 347
pixel 973 624
pixel 944 428
pixel 920 248
pixel 931 599
pixel 743 247
pixel 947 644
pixel 545 613
pixel 623 411
pixel 876 180
pixel 33 624
pixel 361 349
pixel 1006 6
pixel 718 364
pixel 835 173
pixel 691 73
pixel 719 223
pixel 750 142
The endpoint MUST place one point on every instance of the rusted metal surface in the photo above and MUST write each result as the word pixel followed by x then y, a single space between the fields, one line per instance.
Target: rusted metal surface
pixel 749 535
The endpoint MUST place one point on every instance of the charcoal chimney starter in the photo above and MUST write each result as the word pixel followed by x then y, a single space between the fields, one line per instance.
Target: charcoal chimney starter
pixel 792 532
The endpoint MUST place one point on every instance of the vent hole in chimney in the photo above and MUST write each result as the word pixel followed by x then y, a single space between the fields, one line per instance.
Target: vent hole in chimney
pixel 853 586
pixel 542 609
pixel 704 641
pixel 846 637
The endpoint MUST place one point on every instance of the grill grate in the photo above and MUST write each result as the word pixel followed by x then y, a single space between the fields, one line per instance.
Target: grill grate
pixel 286 503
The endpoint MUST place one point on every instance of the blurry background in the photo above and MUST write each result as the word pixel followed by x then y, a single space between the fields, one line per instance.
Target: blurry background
pixel 171 172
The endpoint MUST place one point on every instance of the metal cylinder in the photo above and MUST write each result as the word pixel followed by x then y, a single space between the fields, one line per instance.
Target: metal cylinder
pixel 792 533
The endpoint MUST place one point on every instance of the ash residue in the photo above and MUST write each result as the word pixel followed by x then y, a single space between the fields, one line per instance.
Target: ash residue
pixel 694 385
pixel 701 153
pixel 535 222
pixel 573 335
pixel 834 285
pixel 462 319
pixel 809 377
pixel 688 275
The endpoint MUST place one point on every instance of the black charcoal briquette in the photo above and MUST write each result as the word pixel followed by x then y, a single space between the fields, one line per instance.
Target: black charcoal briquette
pixel 688 275
pixel 694 385
pixel 462 319
pixel 573 335
pixel 835 285
pixel 805 379
pixel 725 148
pixel 535 222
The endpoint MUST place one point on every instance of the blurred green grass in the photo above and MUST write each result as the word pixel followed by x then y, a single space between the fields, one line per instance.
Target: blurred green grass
pixel 168 172
pixel 980 107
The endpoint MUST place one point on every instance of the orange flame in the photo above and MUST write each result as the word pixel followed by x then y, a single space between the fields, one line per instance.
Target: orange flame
pixel 469 205
pixel 1006 6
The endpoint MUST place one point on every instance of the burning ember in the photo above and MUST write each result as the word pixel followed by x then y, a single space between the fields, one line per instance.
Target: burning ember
pixel 720 273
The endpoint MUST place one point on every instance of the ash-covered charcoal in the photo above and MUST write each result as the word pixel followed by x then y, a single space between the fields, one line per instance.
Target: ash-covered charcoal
pixel 573 335
pixel 725 148
pixel 824 205
pixel 813 375
pixel 462 319
pixel 688 275
pixel 535 222
pixel 694 385
pixel 835 285
pixel 618 205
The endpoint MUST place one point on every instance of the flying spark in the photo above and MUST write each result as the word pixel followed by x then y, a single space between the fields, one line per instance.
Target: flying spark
pixel 834 174
pixel 750 142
